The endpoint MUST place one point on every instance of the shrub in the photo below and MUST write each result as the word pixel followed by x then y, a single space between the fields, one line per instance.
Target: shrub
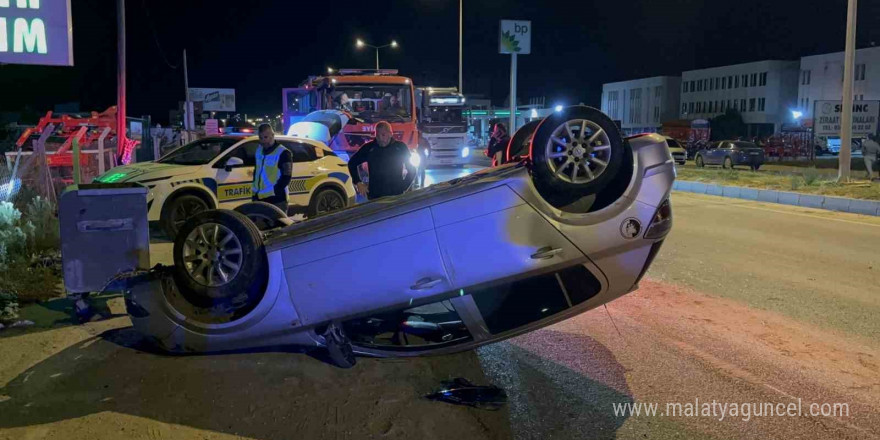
pixel 44 235
pixel 811 176
pixel 13 240
pixel 8 306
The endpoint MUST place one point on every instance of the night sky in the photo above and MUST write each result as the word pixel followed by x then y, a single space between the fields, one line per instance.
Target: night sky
pixel 258 47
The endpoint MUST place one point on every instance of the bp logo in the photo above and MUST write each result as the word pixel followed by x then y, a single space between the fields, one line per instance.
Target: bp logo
pixel 630 228
pixel 515 37
pixel 509 43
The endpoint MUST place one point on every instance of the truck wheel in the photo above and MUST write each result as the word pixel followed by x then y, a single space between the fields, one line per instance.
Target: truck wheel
pixel 218 256
pixel 177 211
pixel 325 201
pixel 520 142
pixel 576 151
pixel 265 216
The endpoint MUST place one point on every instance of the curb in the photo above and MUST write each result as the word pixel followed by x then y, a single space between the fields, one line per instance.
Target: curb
pixel 841 204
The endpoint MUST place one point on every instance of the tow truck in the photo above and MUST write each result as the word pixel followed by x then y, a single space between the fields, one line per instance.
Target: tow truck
pixel 442 125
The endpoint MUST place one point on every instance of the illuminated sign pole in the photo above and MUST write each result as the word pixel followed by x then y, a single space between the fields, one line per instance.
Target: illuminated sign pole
pixel 121 143
pixel 515 39
pixel 36 32
pixel 843 171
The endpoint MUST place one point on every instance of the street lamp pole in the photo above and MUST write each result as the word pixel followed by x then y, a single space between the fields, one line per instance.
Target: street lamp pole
pixel 360 43
pixel 849 57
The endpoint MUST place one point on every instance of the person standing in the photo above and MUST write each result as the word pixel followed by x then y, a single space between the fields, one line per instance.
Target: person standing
pixel 498 144
pixel 386 160
pixel 871 154
pixel 272 171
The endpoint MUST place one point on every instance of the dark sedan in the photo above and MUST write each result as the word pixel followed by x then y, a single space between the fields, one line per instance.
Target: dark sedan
pixel 729 154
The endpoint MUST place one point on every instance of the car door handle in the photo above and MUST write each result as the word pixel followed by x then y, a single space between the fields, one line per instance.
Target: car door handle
pixel 546 253
pixel 426 283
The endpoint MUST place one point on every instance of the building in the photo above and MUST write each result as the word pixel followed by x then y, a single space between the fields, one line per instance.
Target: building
pixel 764 92
pixel 641 105
pixel 821 79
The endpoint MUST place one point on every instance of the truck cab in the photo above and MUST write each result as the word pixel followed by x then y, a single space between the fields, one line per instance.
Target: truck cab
pixel 443 126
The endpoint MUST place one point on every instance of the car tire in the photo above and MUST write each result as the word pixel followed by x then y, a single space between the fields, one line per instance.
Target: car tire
pixel 265 216
pixel 520 142
pixel 728 163
pixel 325 201
pixel 186 205
pixel 756 167
pixel 562 169
pixel 698 161
pixel 234 270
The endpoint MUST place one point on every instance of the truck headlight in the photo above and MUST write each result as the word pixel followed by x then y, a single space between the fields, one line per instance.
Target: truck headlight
pixel 415 159
pixel 465 152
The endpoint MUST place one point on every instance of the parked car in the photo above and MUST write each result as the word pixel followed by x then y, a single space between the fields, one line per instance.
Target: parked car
pixel 217 171
pixel 507 250
pixel 679 154
pixel 729 154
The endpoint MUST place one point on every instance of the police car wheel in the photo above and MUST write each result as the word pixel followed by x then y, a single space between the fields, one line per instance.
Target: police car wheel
pixel 576 151
pixel 218 255
pixel 178 210
pixel 325 201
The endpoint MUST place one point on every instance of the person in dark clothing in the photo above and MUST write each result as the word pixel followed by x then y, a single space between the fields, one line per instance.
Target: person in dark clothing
pixel 498 144
pixel 386 159
pixel 273 170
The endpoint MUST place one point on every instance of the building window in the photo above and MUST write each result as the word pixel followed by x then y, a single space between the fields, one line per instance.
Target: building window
pixel 763 79
pixel 860 72
pixel 761 103
pixel 805 77
pixel 705 84
pixel 730 82
pixel 723 83
pixel 693 89
pixel 690 107
pixel 658 92
pixel 635 106
pixel 737 81
pixel 745 80
pixel 685 90
pixel 684 108
pixel 711 84
pixel 717 83
pixel 752 104
pixel 735 105
pixel 742 105
pixel 728 104
pixel 754 80
pixel 700 86
pixel 807 106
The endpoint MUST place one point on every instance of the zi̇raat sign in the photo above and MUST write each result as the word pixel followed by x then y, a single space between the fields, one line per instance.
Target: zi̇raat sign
pixel 516 37
pixel 213 100
pixel 827 118
pixel 36 32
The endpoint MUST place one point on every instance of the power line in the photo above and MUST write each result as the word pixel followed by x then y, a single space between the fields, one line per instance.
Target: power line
pixel 156 36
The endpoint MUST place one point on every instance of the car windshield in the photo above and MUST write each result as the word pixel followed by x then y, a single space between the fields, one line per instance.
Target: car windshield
pixel 199 152
pixel 374 103
pixel 444 115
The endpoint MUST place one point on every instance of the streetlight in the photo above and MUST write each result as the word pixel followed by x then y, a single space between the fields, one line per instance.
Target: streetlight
pixel 360 43
pixel 330 70
pixel 796 114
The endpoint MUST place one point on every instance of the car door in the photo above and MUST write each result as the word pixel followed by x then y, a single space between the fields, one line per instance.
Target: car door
pixel 304 170
pixel 234 182
pixel 712 155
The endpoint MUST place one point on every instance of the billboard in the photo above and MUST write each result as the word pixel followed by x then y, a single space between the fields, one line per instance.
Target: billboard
pixel 214 100
pixel 516 37
pixel 36 32
pixel 827 118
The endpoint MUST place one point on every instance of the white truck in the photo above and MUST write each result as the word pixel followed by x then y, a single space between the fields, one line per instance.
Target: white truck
pixel 443 126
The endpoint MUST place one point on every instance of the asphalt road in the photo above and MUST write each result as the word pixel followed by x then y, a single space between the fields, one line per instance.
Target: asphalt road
pixel 747 303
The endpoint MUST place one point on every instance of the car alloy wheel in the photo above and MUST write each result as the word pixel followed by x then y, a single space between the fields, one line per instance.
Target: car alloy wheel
pixel 578 155
pixel 212 254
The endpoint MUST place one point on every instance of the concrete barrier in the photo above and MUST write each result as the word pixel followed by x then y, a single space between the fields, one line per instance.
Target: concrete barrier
pixel 842 204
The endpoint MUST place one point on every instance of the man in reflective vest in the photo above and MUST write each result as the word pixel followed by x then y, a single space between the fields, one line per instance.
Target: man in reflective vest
pixel 274 167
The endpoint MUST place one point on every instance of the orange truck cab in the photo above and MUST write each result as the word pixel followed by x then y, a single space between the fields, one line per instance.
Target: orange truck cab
pixel 370 96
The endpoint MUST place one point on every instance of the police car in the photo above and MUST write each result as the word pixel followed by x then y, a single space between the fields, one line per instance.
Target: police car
pixel 216 172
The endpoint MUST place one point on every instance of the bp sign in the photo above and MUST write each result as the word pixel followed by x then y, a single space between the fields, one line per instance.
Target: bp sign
pixel 36 32
pixel 516 37
pixel 827 118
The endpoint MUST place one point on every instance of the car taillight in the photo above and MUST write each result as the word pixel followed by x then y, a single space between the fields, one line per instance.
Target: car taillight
pixel 662 221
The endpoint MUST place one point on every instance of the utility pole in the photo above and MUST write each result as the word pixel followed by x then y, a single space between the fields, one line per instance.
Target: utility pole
pixel 844 161
pixel 121 139
pixel 189 120
pixel 512 127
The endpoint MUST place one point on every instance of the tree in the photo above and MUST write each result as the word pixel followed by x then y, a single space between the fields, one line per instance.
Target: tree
pixel 730 125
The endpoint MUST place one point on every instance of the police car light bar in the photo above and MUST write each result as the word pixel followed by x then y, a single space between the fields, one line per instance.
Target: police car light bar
pixel 368 72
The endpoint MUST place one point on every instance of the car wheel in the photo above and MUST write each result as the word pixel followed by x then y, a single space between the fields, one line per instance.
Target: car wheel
pixel 265 216
pixel 325 201
pixel 519 143
pixel 698 161
pixel 756 167
pixel 219 260
pixel 176 212
pixel 728 163
pixel 576 151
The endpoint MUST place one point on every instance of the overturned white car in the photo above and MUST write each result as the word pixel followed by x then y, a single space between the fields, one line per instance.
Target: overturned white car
pixel 571 222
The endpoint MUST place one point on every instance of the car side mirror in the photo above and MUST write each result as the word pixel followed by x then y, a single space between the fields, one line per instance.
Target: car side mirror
pixel 233 162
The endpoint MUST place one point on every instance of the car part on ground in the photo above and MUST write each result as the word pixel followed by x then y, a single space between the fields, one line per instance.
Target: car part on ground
pixel 461 391
pixel 399 276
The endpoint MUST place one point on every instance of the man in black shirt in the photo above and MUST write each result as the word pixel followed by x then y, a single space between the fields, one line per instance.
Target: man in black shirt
pixel 386 159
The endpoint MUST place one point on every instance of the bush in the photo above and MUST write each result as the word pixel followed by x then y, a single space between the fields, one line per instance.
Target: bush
pixel 811 176
pixel 796 182
pixel 45 234
pixel 8 306
pixel 30 259
pixel 13 240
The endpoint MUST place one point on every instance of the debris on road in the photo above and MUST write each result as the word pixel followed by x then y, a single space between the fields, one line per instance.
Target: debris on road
pixel 460 391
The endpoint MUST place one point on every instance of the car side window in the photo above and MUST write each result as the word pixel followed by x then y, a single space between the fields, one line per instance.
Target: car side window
pixel 247 152
pixel 301 152
pixel 713 145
